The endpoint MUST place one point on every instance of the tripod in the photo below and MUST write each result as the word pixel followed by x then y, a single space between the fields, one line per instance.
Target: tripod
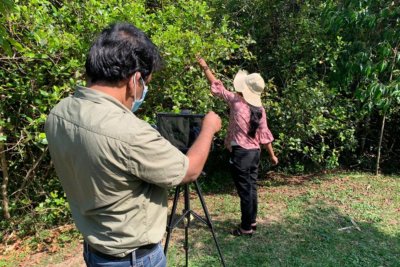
pixel 186 213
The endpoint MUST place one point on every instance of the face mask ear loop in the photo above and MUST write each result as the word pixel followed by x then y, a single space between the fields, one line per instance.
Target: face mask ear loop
pixel 134 85
pixel 144 84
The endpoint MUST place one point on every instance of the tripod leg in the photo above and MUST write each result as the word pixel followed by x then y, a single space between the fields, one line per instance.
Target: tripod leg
pixel 209 222
pixel 187 209
pixel 171 218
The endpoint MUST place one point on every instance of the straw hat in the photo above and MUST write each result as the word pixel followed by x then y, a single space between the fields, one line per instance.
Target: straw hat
pixel 250 85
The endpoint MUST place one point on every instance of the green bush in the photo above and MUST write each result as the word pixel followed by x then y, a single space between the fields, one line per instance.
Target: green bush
pixel 45 61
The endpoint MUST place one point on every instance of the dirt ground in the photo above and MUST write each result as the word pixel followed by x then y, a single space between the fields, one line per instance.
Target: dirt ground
pixel 75 260
pixel 71 259
pixel 70 256
pixel 47 252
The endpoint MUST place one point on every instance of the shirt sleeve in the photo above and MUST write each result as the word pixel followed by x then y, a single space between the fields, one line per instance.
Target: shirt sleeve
pixel 219 90
pixel 264 135
pixel 155 160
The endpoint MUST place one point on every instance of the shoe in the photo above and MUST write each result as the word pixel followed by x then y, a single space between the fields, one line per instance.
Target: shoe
pixel 238 232
pixel 253 227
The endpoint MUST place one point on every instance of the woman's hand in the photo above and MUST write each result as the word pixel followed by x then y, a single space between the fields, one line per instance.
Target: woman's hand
pixel 274 160
pixel 207 71
pixel 202 62
pixel 271 153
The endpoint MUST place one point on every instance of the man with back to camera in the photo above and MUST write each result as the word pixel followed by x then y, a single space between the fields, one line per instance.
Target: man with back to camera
pixel 115 168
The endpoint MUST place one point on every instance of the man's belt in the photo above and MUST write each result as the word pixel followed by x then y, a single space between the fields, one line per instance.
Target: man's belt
pixel 140 252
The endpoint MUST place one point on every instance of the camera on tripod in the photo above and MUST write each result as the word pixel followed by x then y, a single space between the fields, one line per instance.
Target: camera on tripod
pixel 181 130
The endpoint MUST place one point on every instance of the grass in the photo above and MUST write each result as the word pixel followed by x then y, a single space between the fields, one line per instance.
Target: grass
pixel 330 220
pixel 347 219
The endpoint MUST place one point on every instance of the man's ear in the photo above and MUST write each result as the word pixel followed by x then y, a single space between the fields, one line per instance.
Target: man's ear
pixel 136 76
pixel 134 81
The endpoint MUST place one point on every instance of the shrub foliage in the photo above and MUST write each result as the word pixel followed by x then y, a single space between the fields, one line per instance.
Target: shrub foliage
pixel 332 72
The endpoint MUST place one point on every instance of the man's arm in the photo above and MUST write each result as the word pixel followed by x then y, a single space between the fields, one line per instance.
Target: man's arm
pixel 198 152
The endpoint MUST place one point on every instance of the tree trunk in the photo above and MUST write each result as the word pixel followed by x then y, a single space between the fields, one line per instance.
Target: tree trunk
pixel 378 158
pixel 4 168
pixel 365 133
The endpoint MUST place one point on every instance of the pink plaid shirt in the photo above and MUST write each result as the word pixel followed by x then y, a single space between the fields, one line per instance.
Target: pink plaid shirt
pixel 239 120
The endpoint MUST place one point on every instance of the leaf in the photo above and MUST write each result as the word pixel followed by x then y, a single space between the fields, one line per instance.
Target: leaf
pixel 378 92
pixel 44 93
pixel 368 70
pixel 16 45
pixel 6 6
pixel 42 135
pixel 30 55
pixel 383 66
pixel 6 46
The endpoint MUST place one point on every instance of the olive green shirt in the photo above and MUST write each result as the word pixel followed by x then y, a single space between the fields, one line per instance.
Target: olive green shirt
pixel 114 168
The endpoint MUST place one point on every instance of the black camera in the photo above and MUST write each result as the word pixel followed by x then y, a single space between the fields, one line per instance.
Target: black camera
pixel 181 130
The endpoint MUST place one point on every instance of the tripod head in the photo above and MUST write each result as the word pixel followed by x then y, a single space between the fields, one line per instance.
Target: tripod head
pixel 181 130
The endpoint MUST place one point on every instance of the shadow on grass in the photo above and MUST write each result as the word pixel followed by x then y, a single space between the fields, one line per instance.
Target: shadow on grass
pixel 320 236
pixel 218 179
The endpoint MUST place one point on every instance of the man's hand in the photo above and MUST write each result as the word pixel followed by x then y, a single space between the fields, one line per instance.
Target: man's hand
pixel 212 121
pixel 198 152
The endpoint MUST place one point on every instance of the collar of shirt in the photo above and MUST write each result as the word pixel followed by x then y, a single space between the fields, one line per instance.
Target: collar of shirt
pixel 98 97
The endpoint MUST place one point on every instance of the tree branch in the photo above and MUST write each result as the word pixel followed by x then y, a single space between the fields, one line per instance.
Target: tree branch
pixel 29 174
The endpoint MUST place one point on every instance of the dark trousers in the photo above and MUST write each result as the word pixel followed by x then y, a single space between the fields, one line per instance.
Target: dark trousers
pixel 244 164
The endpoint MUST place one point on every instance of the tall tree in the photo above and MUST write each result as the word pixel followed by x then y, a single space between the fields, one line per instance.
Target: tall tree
pixel 370 62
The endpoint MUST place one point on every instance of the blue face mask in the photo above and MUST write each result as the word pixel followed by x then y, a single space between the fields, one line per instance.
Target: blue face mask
pixel 136 104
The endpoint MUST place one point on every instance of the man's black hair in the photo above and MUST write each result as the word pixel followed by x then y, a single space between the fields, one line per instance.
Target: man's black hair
pixel 120 51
